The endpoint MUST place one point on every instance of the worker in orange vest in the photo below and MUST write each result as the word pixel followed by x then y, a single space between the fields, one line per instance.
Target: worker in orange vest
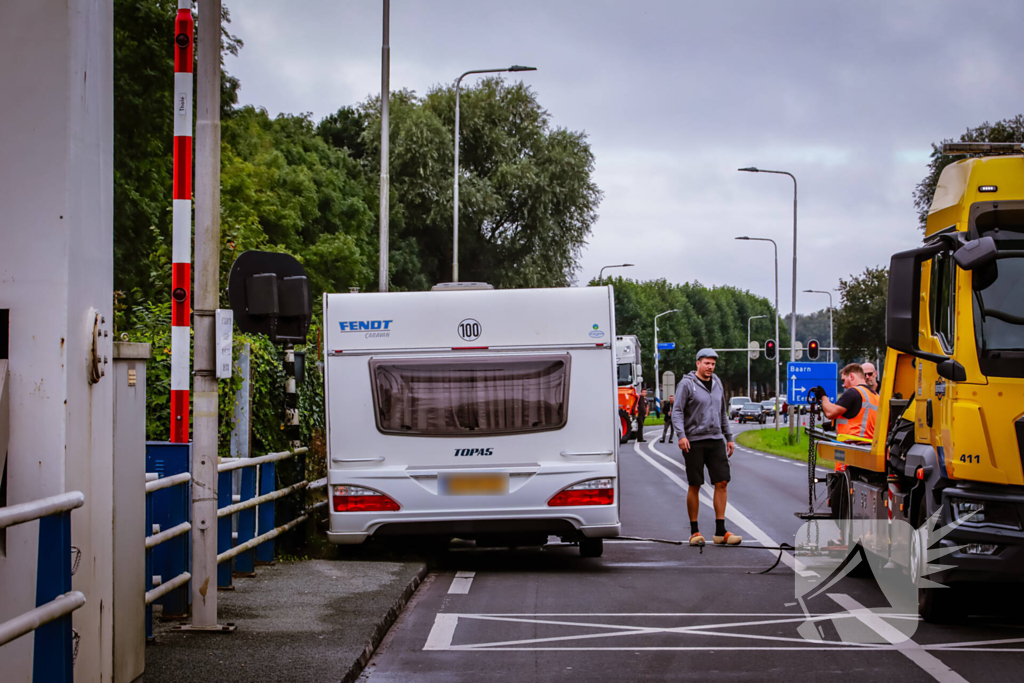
pixel 855 411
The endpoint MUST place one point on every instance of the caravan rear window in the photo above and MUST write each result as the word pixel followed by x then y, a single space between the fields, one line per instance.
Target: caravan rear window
pixel 471 396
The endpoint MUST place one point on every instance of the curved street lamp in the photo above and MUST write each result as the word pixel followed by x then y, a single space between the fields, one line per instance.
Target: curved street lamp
pixel 831 336
pixel 455 229
pixel 600 275
pixel 792 319
pixel 657 379
pixel 777 355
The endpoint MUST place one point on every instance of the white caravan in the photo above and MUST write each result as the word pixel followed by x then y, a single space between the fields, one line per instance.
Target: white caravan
pixel 479 414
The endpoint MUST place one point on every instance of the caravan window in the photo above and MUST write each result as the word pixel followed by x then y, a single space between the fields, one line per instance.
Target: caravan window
pixel 471 396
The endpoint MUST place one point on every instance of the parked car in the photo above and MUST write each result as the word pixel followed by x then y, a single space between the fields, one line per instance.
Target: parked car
pixel 751 412
pixel 735 403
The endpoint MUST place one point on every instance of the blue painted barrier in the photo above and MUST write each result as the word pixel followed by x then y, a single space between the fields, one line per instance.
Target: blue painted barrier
pixel 171 506
pixel 53 656
pixel 245 564
pixel 265 521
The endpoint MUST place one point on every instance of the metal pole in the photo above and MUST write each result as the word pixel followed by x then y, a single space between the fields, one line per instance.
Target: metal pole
pixel 455 195
pixel 749 320
pixel 792 318
pixel 831 331
pixel 778 352
pixel 385 96
pixel 181 231
pixel 207 289
pixel 657 382
pixel 657 379
pixel 455 186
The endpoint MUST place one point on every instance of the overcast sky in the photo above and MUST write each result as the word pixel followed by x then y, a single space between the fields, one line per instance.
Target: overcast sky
pixel 675 96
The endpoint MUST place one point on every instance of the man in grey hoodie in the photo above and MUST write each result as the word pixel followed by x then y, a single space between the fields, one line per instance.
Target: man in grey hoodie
pixel 701 419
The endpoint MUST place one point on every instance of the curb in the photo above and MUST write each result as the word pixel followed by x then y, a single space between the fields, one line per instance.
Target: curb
pixel 382 627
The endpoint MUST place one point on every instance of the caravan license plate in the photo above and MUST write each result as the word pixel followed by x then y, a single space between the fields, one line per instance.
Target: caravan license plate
pixel 489 484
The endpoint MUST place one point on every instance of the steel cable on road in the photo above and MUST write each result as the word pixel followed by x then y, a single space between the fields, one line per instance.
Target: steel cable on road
pixel 782 547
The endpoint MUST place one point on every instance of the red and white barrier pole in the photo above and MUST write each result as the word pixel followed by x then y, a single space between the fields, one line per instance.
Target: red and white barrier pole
pixel 181 236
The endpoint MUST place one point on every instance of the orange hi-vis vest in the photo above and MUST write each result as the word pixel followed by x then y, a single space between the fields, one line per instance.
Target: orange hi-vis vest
pixel 863 423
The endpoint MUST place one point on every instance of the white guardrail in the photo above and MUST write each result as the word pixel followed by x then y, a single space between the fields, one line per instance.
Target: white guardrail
pixel 60 606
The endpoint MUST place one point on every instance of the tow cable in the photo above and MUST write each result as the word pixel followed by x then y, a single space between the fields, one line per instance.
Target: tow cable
pixel 782 547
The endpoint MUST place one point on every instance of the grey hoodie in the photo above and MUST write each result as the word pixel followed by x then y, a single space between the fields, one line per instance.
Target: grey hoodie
pixel 698 413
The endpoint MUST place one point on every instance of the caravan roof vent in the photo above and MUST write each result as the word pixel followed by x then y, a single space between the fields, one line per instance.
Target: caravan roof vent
pixel 460 286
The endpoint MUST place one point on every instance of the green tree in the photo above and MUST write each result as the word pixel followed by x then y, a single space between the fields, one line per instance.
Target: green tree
pixel 143 138
pixel 860 320
pixel 527 198
pixel 1007 130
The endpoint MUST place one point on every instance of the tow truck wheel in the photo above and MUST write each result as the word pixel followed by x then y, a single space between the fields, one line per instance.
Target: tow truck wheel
pixel 940 605
pixel 625 431
pixel 591 547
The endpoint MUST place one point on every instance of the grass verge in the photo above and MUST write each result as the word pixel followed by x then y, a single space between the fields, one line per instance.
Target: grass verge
pixel 777 443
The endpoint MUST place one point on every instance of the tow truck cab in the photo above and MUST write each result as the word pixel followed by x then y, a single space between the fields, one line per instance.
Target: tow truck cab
pixel 950 426
pixel 630 380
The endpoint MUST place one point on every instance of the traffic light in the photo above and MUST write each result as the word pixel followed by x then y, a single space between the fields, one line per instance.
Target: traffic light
pixel 770 350
pixel 812 349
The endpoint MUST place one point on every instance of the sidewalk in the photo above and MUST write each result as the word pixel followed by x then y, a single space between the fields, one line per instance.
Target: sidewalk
pixel 312 620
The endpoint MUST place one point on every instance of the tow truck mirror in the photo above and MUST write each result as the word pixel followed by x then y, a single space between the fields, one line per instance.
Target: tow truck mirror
pixel 979 256
pixel 952 370
pixel 903 302
pixel 976 253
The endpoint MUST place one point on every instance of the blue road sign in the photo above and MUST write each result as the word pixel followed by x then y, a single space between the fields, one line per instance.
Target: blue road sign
pixel 666 346
pixel 803 376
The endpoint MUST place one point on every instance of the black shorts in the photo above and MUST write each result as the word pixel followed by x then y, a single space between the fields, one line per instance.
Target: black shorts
pixel 710 453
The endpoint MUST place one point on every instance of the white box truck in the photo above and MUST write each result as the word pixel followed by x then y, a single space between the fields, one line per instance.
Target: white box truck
pixel 473 413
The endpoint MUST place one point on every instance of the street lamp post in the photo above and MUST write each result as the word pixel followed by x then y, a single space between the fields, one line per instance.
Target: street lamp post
pixel 621 265
pixel 657 379
pixel 792 319
pixel 777 354
pixel 831 335
pixel 751 318
pixel 455 229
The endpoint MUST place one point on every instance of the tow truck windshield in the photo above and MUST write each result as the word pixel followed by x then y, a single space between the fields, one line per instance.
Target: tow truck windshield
pixel 625 374
pixel 999 310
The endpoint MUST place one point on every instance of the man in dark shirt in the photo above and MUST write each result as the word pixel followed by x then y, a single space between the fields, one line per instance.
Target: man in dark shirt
pixel 641 414
pixel 851 415
pixel 669 428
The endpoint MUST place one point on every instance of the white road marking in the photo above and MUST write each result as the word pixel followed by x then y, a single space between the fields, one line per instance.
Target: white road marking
pixel 442 632
pixel 461 583
pixel 731 513
pixel 931 664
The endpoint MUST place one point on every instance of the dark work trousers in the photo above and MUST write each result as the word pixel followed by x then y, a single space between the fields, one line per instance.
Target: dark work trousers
pixel 640 426
pixel 669 429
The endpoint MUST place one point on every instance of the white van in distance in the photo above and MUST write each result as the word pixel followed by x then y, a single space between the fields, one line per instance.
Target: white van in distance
pixel 473 413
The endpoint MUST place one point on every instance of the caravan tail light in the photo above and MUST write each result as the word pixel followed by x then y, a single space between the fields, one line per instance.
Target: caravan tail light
pixel 592 492
pixel 358 499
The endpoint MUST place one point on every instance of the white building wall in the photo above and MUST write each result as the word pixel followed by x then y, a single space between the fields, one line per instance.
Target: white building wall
pixel 56 264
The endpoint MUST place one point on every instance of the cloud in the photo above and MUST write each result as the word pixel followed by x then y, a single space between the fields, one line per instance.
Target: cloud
pixel 675 96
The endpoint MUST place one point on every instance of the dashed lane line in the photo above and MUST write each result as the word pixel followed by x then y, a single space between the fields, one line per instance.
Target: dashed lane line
pixel 461 583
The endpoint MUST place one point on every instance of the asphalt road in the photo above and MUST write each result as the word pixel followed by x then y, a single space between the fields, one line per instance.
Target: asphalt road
pixel 654 612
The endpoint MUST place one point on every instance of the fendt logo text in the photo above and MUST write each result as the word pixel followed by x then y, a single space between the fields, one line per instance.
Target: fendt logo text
pixel 371 328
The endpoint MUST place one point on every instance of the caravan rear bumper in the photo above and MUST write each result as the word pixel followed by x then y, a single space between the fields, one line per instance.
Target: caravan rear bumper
pixel 523 510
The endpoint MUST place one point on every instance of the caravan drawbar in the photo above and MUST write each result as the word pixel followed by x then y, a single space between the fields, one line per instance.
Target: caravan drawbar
pixel 473 413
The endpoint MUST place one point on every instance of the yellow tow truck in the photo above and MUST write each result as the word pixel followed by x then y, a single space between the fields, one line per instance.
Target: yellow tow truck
pixel 950 426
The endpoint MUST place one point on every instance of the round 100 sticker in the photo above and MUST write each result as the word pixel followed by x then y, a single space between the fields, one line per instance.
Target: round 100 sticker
pixel 469 329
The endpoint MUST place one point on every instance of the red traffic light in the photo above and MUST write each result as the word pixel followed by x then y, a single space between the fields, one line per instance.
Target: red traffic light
pixel 770 350
pixel 812 349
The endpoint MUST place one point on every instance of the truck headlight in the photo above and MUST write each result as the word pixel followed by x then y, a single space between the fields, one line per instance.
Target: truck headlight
pixel 986 512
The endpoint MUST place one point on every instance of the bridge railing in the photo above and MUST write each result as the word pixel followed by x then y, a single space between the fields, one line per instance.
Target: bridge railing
pixel 247 522
pixel 53 654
